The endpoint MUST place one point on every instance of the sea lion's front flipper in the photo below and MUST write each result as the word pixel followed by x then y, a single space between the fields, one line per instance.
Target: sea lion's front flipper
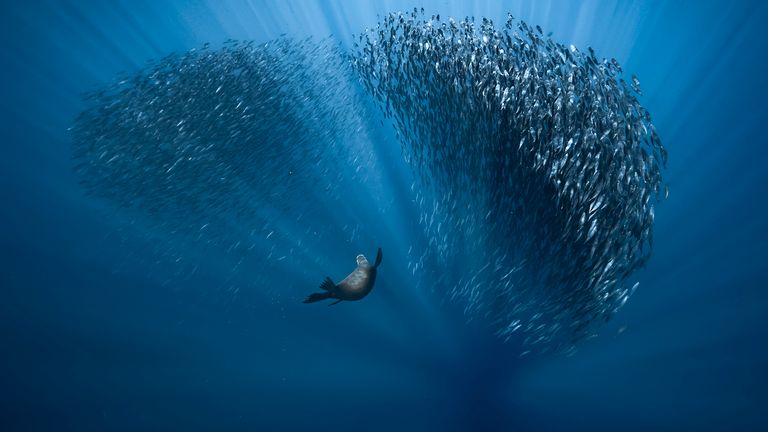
pixel 379 255
pixel 336 302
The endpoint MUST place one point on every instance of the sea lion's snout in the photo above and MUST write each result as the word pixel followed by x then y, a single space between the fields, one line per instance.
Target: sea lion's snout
pixel 361 259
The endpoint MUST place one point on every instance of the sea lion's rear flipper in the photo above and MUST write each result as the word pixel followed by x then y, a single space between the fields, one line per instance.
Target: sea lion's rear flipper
pixel 336 302
pixel 378 258
pixel 328 284
pixel 316 297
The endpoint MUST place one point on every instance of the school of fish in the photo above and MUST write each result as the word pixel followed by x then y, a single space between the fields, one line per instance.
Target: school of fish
pixel 220 143
pixel 535 168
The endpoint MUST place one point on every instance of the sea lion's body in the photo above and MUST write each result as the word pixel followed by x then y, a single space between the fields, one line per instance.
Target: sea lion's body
pixel 354 287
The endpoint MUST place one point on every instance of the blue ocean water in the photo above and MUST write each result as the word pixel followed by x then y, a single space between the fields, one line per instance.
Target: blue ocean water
pixel 111 322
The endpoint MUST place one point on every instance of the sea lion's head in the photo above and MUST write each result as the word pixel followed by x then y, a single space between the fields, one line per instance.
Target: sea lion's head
pixel 362 261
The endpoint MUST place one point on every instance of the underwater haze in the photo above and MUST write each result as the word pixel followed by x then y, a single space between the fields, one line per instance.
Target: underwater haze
pixel 570 198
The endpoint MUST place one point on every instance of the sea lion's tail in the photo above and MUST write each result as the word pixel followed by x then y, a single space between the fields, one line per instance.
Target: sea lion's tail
pixel 378 258
pixel 316 297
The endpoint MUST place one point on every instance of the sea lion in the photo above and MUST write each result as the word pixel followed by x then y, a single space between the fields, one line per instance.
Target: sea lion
pixel 354 287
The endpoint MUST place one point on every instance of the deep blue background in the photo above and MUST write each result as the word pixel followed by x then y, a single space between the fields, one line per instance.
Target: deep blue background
pixel 95 335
